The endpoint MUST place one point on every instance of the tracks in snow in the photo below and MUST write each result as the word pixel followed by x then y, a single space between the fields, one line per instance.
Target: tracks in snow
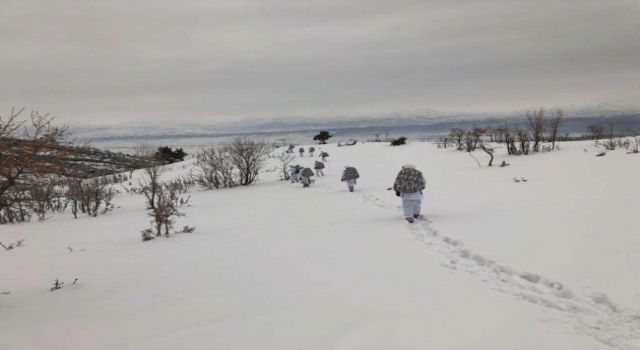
pixel 593 314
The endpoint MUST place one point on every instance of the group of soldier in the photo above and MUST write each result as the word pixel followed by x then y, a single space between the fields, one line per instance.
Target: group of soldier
pixel 408 185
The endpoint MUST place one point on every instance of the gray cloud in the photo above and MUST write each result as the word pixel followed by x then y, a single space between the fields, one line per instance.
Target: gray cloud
pixel 109 61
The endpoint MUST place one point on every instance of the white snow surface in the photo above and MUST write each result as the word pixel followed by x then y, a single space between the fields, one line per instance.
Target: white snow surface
pixel 550 263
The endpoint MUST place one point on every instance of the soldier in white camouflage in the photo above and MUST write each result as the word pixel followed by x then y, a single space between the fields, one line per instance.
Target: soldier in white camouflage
pixel 305 177
pixel 319 168
pixel 409 185
pixel 350 176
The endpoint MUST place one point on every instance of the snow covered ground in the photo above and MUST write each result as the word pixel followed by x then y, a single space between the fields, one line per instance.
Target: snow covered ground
pixel 550 263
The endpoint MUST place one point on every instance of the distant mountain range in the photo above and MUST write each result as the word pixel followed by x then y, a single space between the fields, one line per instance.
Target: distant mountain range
pixel 575 122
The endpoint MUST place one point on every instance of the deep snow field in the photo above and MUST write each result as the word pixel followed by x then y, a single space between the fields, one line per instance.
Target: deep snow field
pixel 550 263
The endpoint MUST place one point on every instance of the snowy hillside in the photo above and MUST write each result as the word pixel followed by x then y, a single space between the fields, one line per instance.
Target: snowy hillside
pixel 547 263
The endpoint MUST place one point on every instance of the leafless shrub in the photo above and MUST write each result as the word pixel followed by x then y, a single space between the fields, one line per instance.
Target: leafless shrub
pixel 165 210
pixel 144 150
pixel 46 198
pixel 91 197
pixel 56 285
pixel 537 125
pixel 285 161
pixel 10 246
pixel 180 185
pixel 26 160
pixel 147 234
pixel 611 143
pixel 216 169
pixel 488 151
pixel 510 140
pixel 150 184
pixel 469 141
pixel 499 134
pixel 248 157
pixel 97 197
pixel 595 132
pixel 524 140
pixel 444 143
pixel 473 137
pixel 635 145
pixel 554 127
pixel 457 135
pixel 187 229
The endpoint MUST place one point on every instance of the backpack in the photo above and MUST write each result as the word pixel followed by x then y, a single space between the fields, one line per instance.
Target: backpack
pixel 350 173
pixel 307 172
pixel 318 165
pixel 409 181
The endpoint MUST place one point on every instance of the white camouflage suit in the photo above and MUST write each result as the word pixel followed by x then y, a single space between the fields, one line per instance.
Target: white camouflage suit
pixel 411 203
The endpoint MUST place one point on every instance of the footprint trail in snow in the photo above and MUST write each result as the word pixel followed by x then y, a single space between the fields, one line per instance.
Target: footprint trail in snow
pixel 593 314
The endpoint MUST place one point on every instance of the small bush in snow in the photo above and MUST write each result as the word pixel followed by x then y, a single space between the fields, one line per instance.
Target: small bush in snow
pixel 635 145
pixel 18 243
pixel 167 155
pixel 164 211
pixel 322 137
pixel 56 285
pixel 399 141
pixel 188 229
pixel 147 234
pixel 91 197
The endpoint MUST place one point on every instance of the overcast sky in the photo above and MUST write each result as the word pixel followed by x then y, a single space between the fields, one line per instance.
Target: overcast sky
pixel 106 61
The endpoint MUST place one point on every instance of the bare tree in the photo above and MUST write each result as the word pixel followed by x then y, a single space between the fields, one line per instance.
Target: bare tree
pixel 524 140
pixel 498 134
pixel 488 151
pixel 457 135
pixel 554 126
pixel 636 145
pixel 595 132
pixel 163 213
pixel 489 131
pixel 144 150
pixel 248 156
pixel 30 152
pixel 537 124
pixel 285 162
pixel 469 141
pixel 165 210
pixel 151 184
pixel 610 144
pixel 510 140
